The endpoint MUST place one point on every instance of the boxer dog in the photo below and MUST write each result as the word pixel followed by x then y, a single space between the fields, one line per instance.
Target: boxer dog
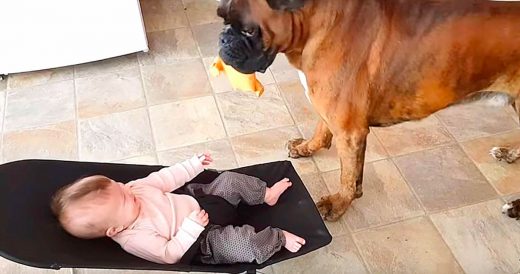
pixel 378 63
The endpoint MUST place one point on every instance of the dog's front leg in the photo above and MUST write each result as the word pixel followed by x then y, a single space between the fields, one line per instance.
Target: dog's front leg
pixel 322 138
pixel 351 145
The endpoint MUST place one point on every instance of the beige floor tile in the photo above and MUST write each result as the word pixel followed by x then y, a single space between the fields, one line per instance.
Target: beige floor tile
pixel 207 36
pixel 2 107
pixel 3 84
pixel 481 238
pixel 102 67
pixel 327 159
pixel 407 247
pixel 268 146
pixel 502 175
pixel 221 152
pixel 375 150
pixel 163 14
pixel 299 106
pixel 245 113
pixel 317 189
pixel 265 78
pixel 40 77
pixel 340 256
pixel 282 70
pixel 221 83
pixel 413 136
pixel 40 143
pixel 39 105
pixel 9 267
pixel 202 11
pixel 444 178
pixel 147 159
pixel 186 122
pixel 115 136
pixel 386 197
pixel 169 46
pixel 165 83
pixel 109 93
pixel 476 120
pixel 266 270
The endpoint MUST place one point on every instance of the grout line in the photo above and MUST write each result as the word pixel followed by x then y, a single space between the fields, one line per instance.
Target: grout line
pixel 6 92
pixel 461 147
pixel 358 249
pixel 213 93
pixel 147 111
pixel 388 224
pixel 76 116
pixel 428 219
pixel 372 130
pixel 412 190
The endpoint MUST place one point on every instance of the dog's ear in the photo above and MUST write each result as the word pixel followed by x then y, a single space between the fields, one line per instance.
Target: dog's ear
pixel 286 4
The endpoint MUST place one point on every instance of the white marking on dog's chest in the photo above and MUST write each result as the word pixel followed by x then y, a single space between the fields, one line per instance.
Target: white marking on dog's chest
pixel 303 80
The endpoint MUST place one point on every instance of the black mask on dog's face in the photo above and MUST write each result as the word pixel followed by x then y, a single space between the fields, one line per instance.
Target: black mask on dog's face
pixel 240 43
pixel 244 51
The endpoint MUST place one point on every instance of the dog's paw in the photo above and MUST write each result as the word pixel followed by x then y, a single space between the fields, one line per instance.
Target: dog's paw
pixel 324 206
pixel 297 148
pixel 499 153
pixel 331 207
pixel 512 209
pixel 506 207
pixel 503 154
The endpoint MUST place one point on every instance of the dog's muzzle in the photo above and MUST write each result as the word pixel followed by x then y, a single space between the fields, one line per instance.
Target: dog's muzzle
pixel 245 54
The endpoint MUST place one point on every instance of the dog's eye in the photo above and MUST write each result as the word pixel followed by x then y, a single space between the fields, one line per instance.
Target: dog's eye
pixel 249 32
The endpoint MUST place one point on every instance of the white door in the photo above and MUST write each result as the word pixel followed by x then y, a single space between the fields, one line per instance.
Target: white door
pixel 42 34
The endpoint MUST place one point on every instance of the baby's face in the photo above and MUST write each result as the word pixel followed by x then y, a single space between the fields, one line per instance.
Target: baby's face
pixel 115 207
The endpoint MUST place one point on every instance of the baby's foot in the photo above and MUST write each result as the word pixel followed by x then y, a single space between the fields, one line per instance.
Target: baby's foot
pixel 273 193
pixel 293 243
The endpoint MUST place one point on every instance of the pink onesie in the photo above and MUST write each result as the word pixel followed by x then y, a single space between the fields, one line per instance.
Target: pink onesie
pixel 162 232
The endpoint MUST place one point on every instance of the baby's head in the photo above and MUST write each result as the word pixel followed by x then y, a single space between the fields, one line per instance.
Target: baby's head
pixel 94 206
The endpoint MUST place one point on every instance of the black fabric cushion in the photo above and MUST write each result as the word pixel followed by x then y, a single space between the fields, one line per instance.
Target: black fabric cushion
pixel 30 235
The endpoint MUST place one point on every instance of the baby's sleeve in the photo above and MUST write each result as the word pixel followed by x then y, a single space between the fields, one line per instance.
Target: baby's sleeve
pixel 171 178
pixel 153 247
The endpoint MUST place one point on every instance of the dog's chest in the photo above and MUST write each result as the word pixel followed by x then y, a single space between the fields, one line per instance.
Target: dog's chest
pixel 303 80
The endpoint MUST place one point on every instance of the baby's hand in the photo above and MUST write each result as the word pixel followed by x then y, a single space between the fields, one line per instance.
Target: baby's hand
pixel 205 158
pixel 200 217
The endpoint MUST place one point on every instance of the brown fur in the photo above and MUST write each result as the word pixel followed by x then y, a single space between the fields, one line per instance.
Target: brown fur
pixel 381 62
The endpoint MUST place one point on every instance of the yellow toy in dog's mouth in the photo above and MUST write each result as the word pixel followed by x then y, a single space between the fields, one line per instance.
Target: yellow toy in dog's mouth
pixel 244 82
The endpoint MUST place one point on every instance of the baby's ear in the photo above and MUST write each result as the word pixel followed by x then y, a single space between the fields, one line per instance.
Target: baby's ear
pixel 112 231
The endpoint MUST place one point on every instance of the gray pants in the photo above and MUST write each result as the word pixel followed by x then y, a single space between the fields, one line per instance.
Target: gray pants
pixel 230 244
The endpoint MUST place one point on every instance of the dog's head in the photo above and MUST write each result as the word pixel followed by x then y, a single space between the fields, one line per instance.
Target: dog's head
pixel 253 32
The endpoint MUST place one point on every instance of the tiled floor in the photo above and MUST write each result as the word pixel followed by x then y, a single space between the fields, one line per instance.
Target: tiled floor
pixel 432 193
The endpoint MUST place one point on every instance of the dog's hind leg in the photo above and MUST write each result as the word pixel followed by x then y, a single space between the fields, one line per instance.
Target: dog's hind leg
pixel 322 138
pixel 508 154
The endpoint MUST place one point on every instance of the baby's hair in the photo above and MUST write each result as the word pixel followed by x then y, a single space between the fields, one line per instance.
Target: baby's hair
pixel 75 191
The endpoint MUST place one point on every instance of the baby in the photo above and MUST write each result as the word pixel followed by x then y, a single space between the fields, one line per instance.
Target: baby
pixel 150 222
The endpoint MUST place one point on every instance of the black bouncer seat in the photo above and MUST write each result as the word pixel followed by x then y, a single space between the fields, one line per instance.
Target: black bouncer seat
pixel 30 235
